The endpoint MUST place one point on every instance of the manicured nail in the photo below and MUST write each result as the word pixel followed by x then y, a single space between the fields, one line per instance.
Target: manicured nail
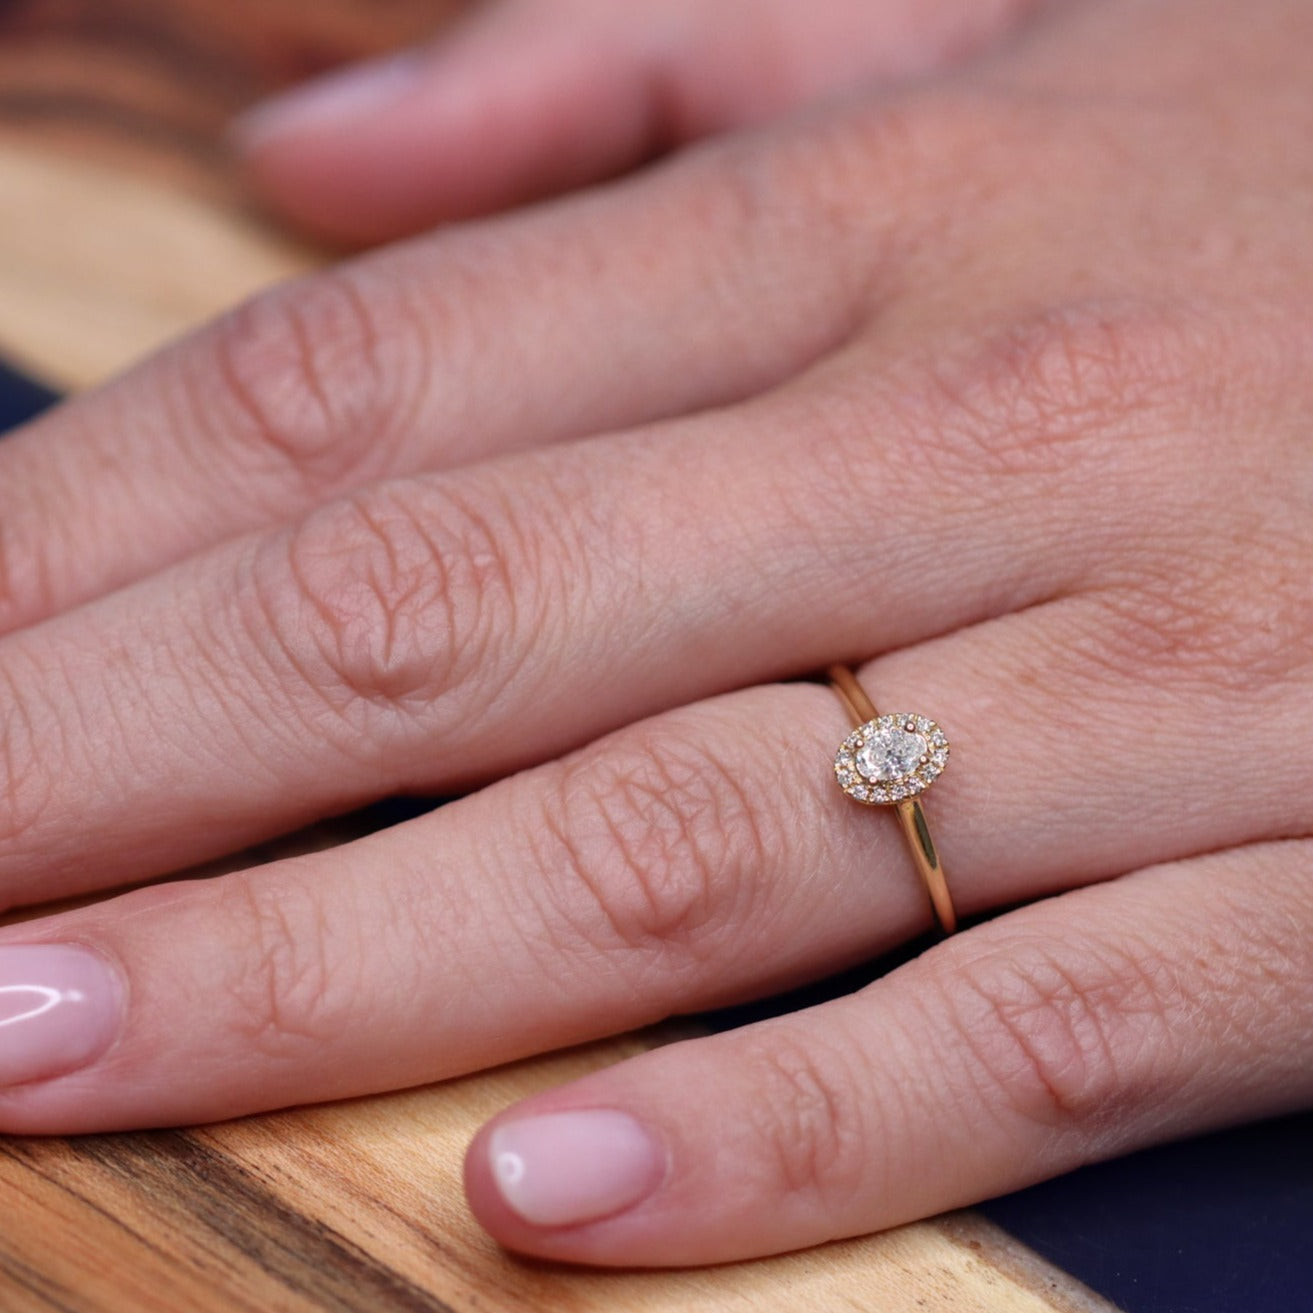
pixel 564 1168
pixel 334 101
pixel 60 1007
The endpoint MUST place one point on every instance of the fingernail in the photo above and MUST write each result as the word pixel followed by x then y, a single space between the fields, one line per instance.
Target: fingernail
pixel 330 102
pixel 60 1007
pixel 564 1168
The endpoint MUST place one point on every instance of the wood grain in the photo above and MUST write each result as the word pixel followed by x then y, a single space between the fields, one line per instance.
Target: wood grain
pixel 121 225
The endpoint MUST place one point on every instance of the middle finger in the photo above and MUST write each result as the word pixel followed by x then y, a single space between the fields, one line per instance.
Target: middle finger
pixel 426 634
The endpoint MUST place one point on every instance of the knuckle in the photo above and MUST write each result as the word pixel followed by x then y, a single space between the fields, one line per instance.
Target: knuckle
pixel 1027 414
pixel 1076 1036
pixel 284 991
pixel 809 1114
pixel 660 845
pixel 1141 411
pixel 1045 394
pixel 312 383
pixel 391 599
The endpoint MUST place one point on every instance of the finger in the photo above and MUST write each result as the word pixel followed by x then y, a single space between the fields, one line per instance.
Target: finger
pixel 527 99
pixel 457 348
pixel 428 634
pixel 701 858
pixel 1166 1003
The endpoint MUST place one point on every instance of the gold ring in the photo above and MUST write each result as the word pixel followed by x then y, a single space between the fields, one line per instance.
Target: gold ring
pixel 888 761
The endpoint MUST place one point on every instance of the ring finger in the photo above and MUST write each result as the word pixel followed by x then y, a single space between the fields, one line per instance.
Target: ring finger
pixel 700 858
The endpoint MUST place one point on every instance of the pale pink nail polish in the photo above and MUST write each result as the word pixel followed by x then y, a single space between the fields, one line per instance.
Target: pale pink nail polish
pixel 60 1007
pixel 334 101
pixel 565 1168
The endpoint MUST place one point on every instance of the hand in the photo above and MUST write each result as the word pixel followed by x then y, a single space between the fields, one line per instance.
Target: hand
pixel 998 383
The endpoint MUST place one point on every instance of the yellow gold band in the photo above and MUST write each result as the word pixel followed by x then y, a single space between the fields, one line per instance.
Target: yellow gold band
pixel 901 793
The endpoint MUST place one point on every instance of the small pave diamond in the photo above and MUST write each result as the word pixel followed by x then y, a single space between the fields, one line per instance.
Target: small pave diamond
pixel 891 758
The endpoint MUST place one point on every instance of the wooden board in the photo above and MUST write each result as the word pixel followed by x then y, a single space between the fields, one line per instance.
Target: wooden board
pixel 120 227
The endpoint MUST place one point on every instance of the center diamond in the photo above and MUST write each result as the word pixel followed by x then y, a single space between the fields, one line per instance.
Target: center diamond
pixel 890 754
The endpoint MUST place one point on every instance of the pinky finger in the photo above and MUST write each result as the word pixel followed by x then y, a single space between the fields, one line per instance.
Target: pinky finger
pixel 1165 1003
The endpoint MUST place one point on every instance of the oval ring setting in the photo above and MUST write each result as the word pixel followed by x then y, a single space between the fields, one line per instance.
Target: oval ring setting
pixel 891 758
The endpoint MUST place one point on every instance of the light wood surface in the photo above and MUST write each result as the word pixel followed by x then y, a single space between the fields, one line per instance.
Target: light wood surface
pixel 119 228
pixel 99 266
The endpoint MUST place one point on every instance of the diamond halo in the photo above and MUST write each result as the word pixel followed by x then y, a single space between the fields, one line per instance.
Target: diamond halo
pixel 891 758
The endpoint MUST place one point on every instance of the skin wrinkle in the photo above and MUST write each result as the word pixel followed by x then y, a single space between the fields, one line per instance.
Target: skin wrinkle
pixel 690 927
pixel 222 641
pixel 505 550
pixel 514 905
pixel 231 335
pixel 451 324
pixel 364 649
pixel 810 1117
pixel 281 988
pixel 564 922
pixel 651 904
pixel 18 736
pixel 1122 979
pixel 220 690
pixel 303 366
pixel 551 921
pixel 1207 635
pixel 381 583
pixel 263 628
pixel 1257 954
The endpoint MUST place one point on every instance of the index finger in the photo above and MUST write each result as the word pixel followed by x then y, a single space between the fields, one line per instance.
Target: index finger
pixel 456 347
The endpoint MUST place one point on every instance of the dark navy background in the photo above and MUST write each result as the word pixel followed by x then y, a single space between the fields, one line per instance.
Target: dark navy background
pixel 19 398
pixel 1222 1224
